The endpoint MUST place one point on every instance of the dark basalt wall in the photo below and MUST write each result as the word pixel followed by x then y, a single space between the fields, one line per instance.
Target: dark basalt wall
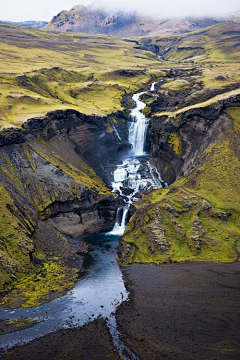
pixel 194 131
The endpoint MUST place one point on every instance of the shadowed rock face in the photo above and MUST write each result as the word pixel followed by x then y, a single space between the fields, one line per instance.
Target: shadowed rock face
pixel 196 129
pixel 52 192
pixel 95 21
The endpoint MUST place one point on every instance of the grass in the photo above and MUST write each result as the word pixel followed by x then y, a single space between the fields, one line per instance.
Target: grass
pixel 14 238
pixel 179 84
pixel 41 72
pixel 216 44
pixel 52 280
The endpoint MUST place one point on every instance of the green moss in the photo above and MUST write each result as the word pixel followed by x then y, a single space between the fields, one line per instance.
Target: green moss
pixel 147 111
pixel 15 227
pixel 51 281
pixel 179 84
pixel 179 228
pixel 83 175
pixel 175 141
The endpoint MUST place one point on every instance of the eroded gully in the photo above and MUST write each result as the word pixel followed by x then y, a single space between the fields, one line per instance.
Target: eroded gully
pixel 101 288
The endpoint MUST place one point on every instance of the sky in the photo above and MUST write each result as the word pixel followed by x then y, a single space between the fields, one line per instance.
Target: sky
pixel 22 10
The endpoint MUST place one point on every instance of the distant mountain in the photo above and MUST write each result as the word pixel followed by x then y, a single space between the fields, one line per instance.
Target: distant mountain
pixel 92 21
pixel 34 24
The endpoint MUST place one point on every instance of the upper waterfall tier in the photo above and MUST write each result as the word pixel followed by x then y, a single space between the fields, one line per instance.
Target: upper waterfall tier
pixel 138 127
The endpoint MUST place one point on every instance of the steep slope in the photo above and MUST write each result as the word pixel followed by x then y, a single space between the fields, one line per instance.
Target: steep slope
pixel 95 21
pixel 218 43
pixel 198 217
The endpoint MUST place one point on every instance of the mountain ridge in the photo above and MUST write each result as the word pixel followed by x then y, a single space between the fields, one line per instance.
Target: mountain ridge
pixel 122 24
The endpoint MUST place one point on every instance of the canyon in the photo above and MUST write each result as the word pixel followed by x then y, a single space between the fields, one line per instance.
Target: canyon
pixel 90 148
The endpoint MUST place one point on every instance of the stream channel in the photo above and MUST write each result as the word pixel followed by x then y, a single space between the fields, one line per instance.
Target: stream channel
pixel 101 288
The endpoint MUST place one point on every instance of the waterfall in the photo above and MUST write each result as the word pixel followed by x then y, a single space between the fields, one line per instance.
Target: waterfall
pixel 152 87
pixel 116 132
pixel 138 126
pixel 121 221
pixel 136 173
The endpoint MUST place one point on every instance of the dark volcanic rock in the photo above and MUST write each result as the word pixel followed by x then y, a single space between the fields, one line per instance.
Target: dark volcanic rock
pixel 93 20
pixel 196 129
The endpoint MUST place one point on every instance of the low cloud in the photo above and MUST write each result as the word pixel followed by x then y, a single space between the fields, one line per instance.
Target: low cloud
pixel 172 8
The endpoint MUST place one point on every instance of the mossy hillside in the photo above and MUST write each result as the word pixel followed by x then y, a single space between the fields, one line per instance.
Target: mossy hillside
pixel 218 43
pixel 42 176
pixel 197 218
pixel 35 177
pixel 16 227
pixel 179 84
pixel 176 143
pixel 217 178
pixel 19 245
pixel 40 72
pixel 181 227
pixel 40 92
pixel 53 279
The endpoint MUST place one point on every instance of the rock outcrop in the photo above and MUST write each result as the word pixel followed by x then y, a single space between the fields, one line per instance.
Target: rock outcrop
pixel 53 191
pixel 93 20
pixel 197 218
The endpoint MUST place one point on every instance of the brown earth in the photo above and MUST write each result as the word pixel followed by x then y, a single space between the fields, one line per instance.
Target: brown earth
pixel 89 342
pixel 184 311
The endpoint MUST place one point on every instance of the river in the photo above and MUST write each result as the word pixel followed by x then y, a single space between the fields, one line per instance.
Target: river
pixel 101 287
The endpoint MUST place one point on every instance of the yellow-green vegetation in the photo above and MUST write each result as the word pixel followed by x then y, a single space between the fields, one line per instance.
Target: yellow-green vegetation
pixel 217 43
pixel 45 285
pixel 214 50
pixel 175 141
pixel 42 191
pixel 15 228
pixel 179 84
pixel 18 324
pixel 41 72
pixel 36 176
pixel 215 99
pixel 197 218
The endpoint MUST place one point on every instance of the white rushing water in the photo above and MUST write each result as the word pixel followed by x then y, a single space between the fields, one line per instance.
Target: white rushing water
pixel 138 126
pixel 152 87
pixel 136 173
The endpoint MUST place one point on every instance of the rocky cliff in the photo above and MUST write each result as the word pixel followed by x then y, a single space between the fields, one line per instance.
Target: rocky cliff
pixel 51 195
pixel 197 217
pixel 96 21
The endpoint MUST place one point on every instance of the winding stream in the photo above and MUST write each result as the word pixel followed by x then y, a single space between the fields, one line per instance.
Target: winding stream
pixel 101 288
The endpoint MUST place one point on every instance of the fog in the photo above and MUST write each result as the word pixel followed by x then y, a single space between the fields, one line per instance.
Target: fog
pixel 172 8
pixel 20 10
